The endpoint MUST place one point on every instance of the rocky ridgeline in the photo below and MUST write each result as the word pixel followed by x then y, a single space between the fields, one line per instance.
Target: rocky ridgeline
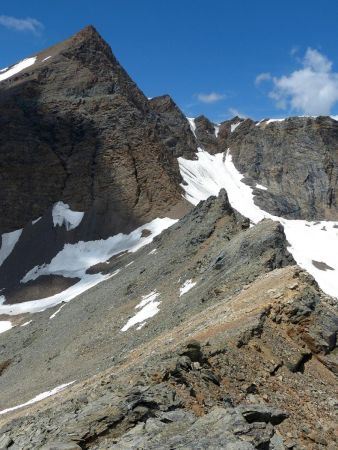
pixel 245 359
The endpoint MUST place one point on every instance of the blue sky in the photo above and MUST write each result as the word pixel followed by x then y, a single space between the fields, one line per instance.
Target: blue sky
pixel 258 58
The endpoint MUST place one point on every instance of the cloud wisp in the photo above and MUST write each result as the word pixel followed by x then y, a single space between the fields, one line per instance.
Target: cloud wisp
pixel 29 24
pixel 212 97
pixel 235 112
pixel 265 76
pixel 310 90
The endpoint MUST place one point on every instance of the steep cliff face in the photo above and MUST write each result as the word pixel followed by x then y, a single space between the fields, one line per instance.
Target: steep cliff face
pixel 206 134
pixel 76 128
pixel 173 127
pixel 296 159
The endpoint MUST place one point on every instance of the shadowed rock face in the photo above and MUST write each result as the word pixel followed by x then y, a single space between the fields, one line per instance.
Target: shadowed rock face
pixel 173 127
pixel 296 159
pixel 206 135
pixel 76 128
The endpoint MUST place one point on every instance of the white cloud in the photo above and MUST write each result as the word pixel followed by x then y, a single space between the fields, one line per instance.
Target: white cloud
pixel 213 97
pixel 27 24
pixel 311 90
pixel 265 76
pixel 294 50
pixel 234 112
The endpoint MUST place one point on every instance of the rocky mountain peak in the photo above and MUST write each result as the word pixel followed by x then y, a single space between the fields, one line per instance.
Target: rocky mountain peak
pixel 152 258
pixel 92 129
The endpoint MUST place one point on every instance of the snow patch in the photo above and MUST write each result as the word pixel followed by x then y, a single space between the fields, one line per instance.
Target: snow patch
pixel 274 120
pixel 46 59
pixel 5 325
pixel 63 215
pixel 259 186
pixel 38 398
pixel 36 220
pixel 8 243
pixel 266 122
pixel 57 312
pixel 26 323
pixel 192 124
pixel 5 74
pixel 308 242
pixel 34 306
pixel 187 285
pixel 74 260
pixel 149 307
pixel 234 126
pixel 216 127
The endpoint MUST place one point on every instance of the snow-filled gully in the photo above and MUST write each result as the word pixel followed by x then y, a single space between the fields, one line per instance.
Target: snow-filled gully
pixel 309 241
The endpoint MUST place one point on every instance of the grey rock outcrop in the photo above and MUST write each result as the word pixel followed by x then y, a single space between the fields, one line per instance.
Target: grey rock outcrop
pixel 295 159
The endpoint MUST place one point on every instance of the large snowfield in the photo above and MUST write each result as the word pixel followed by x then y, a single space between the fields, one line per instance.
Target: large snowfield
pixel 309 241
pixel 74 260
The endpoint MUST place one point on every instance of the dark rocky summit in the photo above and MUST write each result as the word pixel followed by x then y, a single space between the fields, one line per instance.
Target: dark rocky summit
pixel 78 129
pixel 209 337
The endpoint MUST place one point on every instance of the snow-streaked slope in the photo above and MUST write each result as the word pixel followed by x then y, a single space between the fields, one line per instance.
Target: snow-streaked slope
pixel 192 124
pixel 148 307
pixel 5 74
pixel 8 242
pixel 34 306
pixel 63 215
pixel 38 398
pixel 57 312
pixel 309 241
pixel 73 261
pixel 204 176
pixel 186 286
pixel 234 126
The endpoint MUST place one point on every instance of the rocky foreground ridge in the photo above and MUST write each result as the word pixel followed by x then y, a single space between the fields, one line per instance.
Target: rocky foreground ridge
pixel 210 336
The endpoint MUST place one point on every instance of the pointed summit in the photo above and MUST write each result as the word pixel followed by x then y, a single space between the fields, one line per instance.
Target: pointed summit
pixel 90 137
pixel 90 38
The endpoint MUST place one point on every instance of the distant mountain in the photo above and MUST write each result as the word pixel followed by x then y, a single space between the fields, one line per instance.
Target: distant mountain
pixel 165 282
